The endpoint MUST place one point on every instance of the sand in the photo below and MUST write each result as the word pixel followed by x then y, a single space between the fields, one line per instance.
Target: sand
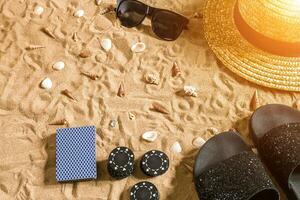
pixel 27 141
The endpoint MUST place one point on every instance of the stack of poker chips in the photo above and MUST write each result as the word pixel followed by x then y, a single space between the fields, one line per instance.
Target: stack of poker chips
pixel 154 163
pixel 144 191
pixel 120 163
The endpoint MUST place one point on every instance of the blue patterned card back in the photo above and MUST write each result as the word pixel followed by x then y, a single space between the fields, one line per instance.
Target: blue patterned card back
pixel 76 153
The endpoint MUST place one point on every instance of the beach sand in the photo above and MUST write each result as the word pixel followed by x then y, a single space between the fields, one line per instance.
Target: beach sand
pixel 27 141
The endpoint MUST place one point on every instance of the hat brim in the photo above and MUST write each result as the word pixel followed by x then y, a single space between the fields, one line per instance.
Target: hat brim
pixel 243 58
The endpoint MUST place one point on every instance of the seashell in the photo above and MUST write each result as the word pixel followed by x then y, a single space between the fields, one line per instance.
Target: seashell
pixel 150 136
pixel 79 13
pixel 254 104
pixel 75 37
pixel 189 168
pixel 106 44
pixel 60 65
pixel 38 10
pixel 159 108
pixel 48 32
pixel 91 76
pixel 176 148
pixel 121 91
pixel 98 2
pixel 131 116
pixel 106 10
pixel 60 122
pixel 190 91
pixel 233 130
pixel 113 123
pixel 85 53
pixel 34 47
pixel 68 94
pixel 152 79
pixel 198 142
pixel 138 47
pixel 46 84
pixel 255 150
pixel 175 70
pixel 213 130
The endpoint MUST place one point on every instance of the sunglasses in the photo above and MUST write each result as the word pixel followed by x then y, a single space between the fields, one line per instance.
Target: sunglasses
pixel 166 24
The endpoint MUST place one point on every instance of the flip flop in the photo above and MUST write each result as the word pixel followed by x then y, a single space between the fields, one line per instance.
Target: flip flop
pixel 275 130
pixel 227 169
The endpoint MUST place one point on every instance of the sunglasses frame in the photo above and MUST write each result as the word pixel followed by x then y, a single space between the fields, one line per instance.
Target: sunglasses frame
pixel 151 12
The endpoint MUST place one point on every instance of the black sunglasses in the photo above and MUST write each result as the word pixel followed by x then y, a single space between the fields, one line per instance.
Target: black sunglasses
pixel 166 24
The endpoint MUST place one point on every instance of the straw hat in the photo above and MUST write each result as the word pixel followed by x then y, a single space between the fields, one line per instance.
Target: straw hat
pixel 257 39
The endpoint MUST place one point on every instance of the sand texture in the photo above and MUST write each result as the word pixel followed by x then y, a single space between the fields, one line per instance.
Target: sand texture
pixel 27 141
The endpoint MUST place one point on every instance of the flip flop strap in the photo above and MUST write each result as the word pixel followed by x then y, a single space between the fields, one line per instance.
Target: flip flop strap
pixel 280 149
pixel 237 178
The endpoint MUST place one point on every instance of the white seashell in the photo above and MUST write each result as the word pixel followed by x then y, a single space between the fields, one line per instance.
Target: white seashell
pixel 138 47
pixel 79 13
pixel 131 116
pixel 38 10
pixel 98 2
pixel 150 136
pixel 46 83
pixel 198 142
pixel 58 65
pixel 176 147
pixel 113 123
pixel 190 91
pixel 152 79
pixel 106 44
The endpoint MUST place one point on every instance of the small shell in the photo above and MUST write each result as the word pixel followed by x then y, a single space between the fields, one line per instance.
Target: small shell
pixel 60 122
pixel 38 10
pixel 106 44
pixel 121 91
pixel 175 70
pixel 98 2
pixel 197 15
pixel 46 84
pixel 48 32
pixel 91 76
pixel 198 142
pixel 113 123
pixel 152 79
pixel 255 150
pixel 213 130
pixel 150 136
pixel 138 47
pixel 60 65
pixel 68 94
pixel 75 37
pixel 159 108
pixel 131 116
pixel 79 13
pixel 85 53
pixel 34 47
pixel 176 148
pixel 190 91
pixel 254 104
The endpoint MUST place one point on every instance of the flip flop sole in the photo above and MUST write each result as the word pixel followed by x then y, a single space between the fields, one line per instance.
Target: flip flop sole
pixel 275 130
pixel 226 168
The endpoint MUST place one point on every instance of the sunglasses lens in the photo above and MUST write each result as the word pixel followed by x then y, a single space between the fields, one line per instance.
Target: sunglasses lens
pixel 167 25
pixel 131 13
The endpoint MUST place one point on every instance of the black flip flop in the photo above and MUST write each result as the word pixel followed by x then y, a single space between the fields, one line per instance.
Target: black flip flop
pixel 276 133
pixel 227 169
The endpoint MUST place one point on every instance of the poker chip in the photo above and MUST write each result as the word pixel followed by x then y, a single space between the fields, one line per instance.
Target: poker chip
pixel 120 162
pixel 144 191
pixel 154 163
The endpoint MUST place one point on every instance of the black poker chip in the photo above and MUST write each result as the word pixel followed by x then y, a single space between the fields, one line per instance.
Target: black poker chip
pixel 120 162
pixel 154 163
pixel 144 191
